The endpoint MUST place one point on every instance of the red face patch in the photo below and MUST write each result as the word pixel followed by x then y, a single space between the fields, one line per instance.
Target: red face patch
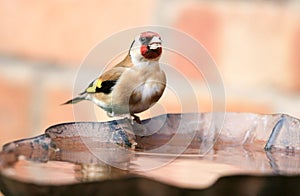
pixel 150 53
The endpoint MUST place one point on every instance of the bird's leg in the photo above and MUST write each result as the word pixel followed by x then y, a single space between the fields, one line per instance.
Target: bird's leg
pixel 128 116
pixel 136 118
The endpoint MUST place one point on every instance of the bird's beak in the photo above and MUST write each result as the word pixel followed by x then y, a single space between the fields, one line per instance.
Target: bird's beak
pixel 155 43
pixel 154 46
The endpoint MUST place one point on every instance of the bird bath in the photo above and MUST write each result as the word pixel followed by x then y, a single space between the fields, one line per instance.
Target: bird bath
pixel 208 153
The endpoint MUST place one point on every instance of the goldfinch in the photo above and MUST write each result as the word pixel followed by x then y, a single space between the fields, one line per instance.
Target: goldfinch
pixel 133 85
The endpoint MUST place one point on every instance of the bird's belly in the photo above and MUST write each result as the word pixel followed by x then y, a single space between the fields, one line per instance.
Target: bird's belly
pixel 140 107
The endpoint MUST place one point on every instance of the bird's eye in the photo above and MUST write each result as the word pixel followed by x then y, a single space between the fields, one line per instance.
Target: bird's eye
pixel 142 39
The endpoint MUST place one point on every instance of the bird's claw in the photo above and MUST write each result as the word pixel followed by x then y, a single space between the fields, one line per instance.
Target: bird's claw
pixel 136 119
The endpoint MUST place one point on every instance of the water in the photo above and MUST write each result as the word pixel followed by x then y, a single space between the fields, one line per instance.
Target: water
pixel 180 151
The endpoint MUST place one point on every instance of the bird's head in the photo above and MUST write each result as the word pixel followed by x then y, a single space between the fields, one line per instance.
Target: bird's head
pixel 146 46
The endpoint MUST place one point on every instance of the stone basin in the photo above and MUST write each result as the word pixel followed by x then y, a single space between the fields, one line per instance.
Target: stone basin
pixel 193 153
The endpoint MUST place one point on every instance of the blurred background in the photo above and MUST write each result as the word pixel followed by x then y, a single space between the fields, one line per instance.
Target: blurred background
pixel 255 44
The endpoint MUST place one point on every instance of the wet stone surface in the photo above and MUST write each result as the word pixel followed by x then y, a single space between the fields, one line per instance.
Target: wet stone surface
pixel 182 153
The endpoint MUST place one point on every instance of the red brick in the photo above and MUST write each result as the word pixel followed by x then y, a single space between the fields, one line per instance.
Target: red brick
pixel 251 42
pixel 15 109
pixel 65 31
pixel 203 23
pixel 53 112
pixel 295 59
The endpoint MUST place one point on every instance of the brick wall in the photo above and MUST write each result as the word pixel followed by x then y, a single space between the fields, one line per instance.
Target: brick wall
pixel 255 44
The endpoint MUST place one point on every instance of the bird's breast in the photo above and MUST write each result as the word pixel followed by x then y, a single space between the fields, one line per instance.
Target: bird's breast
pixel 150 89
pixel 145 95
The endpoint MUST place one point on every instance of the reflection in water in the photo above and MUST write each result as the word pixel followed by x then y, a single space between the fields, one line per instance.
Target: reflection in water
pixel 187 170
pixel 96 172
pixel 273 163
pixel 51 172
pixel 85 148
pixel 59 172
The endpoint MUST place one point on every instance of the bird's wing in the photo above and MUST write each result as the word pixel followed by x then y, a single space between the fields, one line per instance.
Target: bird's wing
pixel 106 81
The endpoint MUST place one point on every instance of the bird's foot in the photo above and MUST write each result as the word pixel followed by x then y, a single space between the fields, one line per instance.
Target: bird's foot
pixel 136 119
pixel 110 114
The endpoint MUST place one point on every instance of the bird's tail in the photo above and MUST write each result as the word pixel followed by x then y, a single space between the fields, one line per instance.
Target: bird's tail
pixel 75 100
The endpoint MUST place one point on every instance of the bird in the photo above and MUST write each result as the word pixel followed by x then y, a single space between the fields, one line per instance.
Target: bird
pixel 134 84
